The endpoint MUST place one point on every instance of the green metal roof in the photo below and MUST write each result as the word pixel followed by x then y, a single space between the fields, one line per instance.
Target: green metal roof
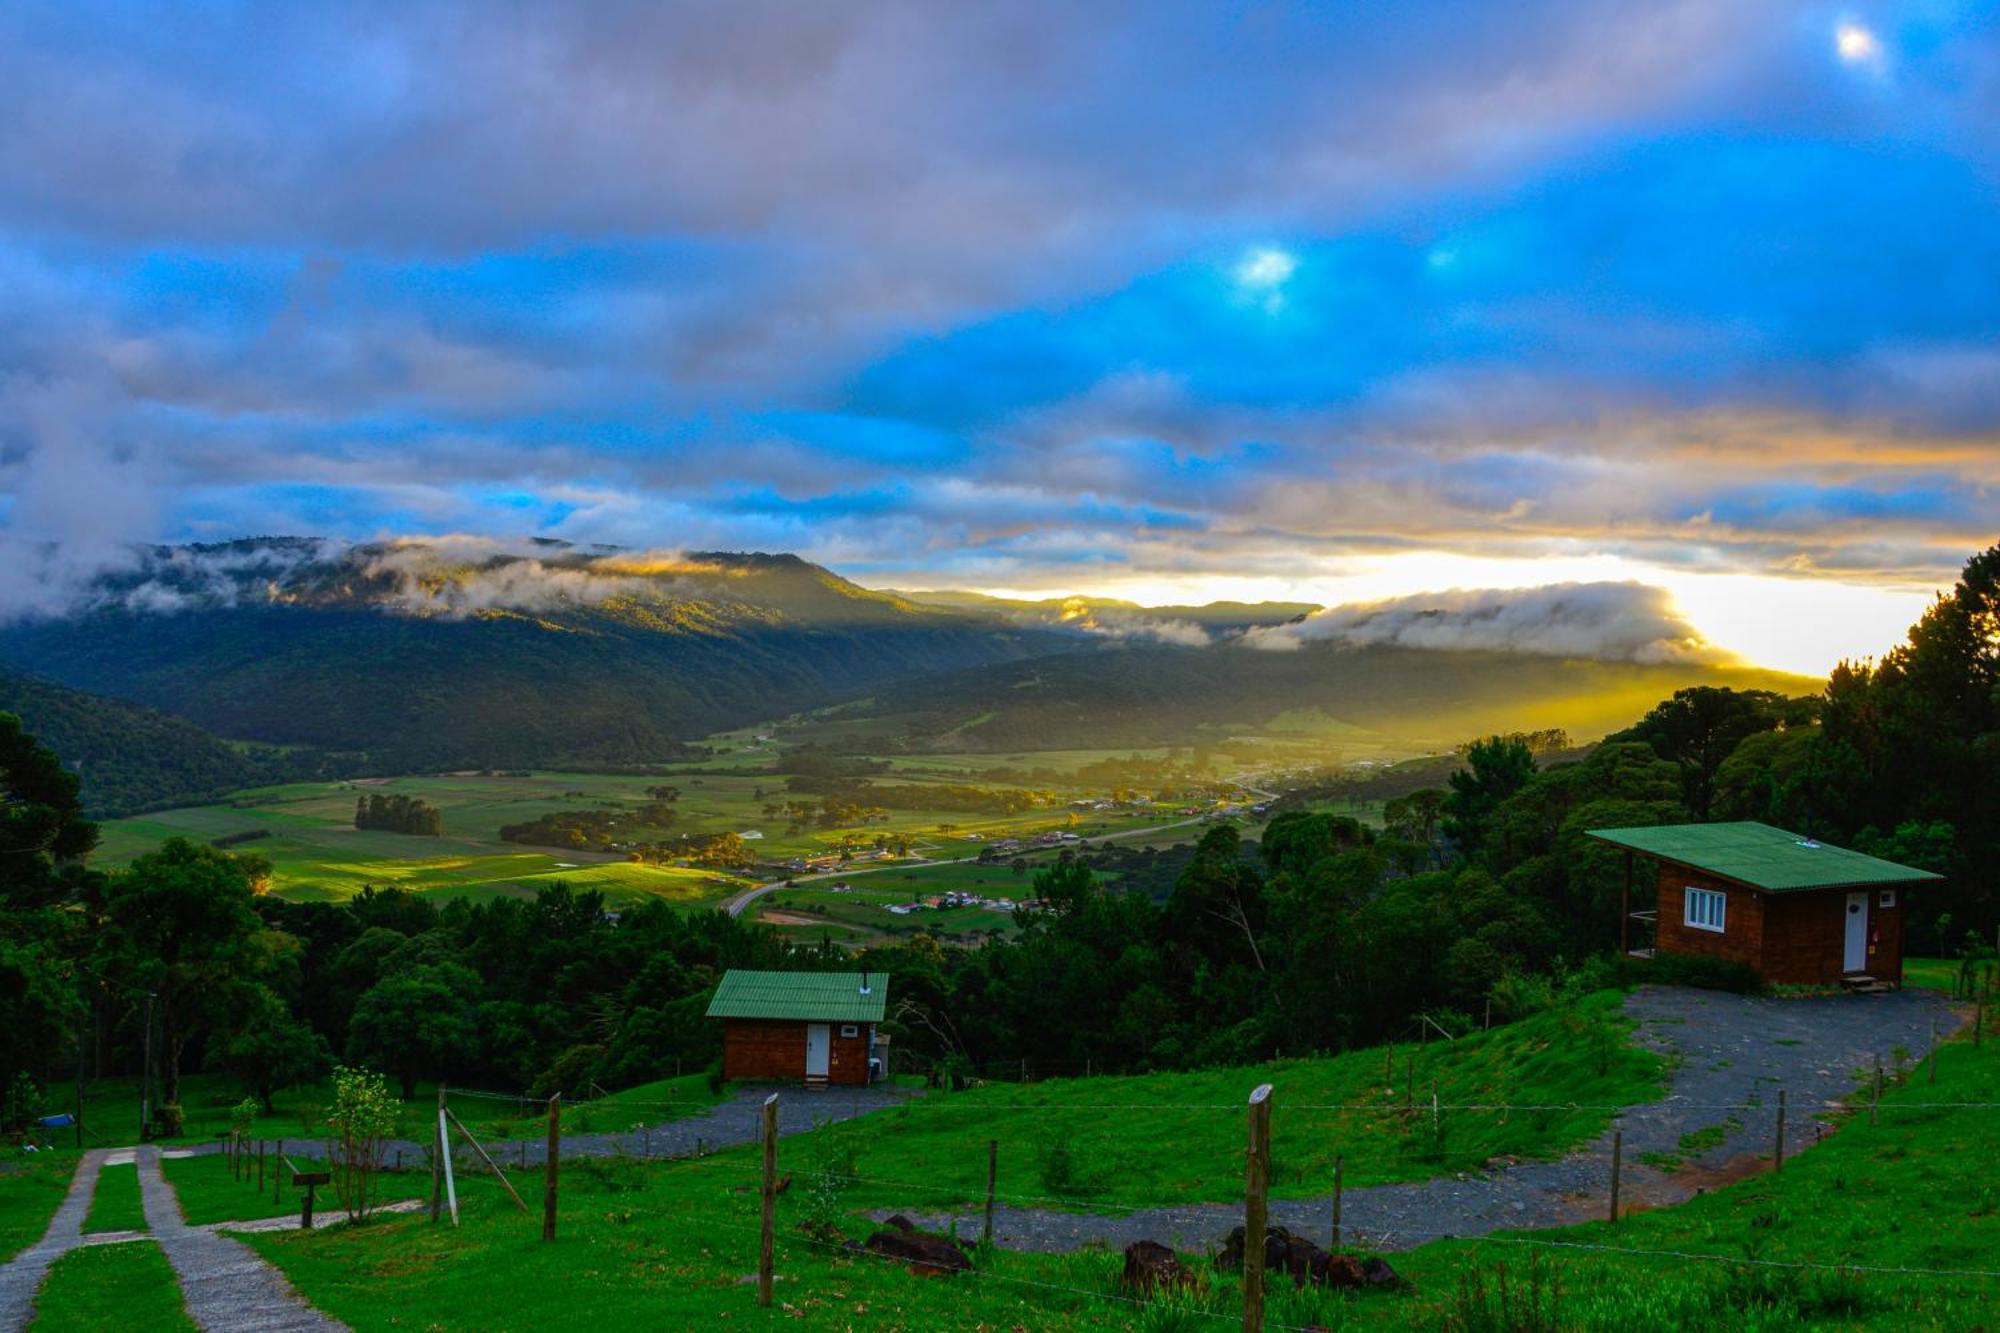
pixel 828 997
pixel 1761 856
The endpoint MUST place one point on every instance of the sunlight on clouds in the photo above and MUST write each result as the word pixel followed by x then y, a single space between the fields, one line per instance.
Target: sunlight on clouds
pixel 1266 268
pixel 1798 625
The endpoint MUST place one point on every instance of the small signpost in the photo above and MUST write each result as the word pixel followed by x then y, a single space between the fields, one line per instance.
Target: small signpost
pixel 310 1180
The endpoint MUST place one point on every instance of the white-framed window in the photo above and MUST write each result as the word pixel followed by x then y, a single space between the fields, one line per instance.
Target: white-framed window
pixel 1888 897
pixel 1704 909
pixel 850 1030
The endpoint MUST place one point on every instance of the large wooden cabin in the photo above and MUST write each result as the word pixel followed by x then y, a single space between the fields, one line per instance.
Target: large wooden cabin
pixel 1795 909
pixel 817 1028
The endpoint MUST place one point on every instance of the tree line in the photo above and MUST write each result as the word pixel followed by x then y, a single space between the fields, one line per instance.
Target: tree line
pixel 395 812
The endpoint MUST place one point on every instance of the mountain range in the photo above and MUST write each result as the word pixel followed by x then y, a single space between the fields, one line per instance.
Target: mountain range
pixel 456 652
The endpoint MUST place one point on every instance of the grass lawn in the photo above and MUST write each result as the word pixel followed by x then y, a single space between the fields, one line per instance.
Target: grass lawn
pixel 111 1109
pixel 654 1103
pixel 209 1193
pixel 115 1205
pixel 667 1244
pixel 32 1186
pixel 125 1286
pixel 1176 1138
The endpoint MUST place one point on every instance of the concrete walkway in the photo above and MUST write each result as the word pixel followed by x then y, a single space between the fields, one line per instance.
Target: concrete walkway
pixel 228 1288
pixel 1729 1055
pixel 22 1277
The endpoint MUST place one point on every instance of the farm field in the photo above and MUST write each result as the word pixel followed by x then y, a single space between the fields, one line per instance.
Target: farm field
pixel 306 831
pixel 857 909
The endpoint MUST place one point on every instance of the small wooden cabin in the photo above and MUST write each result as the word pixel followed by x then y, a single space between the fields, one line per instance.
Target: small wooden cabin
pixel 812 1027
pixel 1796 909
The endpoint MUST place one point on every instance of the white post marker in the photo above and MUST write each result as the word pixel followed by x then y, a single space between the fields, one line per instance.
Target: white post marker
pixel 444 1153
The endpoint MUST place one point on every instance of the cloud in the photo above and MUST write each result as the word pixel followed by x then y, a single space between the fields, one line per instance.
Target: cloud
pixel 452 576
pixel 917 289
pixel 1616 622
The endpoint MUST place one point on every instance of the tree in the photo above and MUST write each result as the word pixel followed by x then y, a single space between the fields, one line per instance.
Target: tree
pixel 414 1023
pixel 179 922
pixel 270 1049
pixel 1698 728
pixel 1496 768
pixel 41 820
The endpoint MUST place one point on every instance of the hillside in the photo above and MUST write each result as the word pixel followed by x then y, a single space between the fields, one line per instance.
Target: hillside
pixel 1134 694
pixel 436 655
pixel 130 758
pixel 1115 616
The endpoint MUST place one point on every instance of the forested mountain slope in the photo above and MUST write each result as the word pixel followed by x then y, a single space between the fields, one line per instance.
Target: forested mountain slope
pixel 438 654
pixel 129 757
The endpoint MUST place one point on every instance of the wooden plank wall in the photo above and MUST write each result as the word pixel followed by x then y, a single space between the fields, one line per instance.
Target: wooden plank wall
pixel 1742 937
pixel 1798 938
pixel 759 1050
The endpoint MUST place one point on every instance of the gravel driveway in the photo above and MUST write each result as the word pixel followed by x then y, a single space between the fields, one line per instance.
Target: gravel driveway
pixel 1729 1056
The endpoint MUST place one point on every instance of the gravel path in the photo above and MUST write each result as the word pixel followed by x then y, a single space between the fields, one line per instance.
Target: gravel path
pixel 22 1277
pixel 228 1288
pixel 1725 1050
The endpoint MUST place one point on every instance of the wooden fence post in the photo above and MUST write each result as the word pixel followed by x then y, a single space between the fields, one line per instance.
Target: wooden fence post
pixel 992 1175
pixel 260 1166
pixel 765 1277
pixel 1256 1206
pixel 1617 1164
pixel 1336 1200
pixel 1778 1147
pixel 278 1172
pixel 550 1167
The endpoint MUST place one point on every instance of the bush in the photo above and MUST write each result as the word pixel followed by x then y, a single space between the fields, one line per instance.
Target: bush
pixel 171 1120
pixel 364 1117
pixel 1675 969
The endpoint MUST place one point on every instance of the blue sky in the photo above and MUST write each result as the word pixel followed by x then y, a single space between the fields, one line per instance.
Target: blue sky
pixel 1168 300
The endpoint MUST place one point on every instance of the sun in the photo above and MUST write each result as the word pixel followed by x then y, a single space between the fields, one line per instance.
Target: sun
pixel 1856 44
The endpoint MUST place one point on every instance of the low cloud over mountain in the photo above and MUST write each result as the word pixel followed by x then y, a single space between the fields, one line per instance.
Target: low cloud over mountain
pixel 1613 622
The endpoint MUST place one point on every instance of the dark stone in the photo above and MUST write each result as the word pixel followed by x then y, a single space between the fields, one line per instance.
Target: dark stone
pixel 1151 1266
pixel 1379 1274
pixel 924 1253
pixel 1304 1262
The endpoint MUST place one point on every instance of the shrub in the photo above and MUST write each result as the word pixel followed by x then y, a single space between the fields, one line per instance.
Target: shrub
pixel 172 1120
pixel 24 1102
pixel 363 1117
pixel 1673 969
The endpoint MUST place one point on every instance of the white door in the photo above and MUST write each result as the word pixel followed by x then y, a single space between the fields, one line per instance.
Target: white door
pixel 1857 933
pixel 819 1042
